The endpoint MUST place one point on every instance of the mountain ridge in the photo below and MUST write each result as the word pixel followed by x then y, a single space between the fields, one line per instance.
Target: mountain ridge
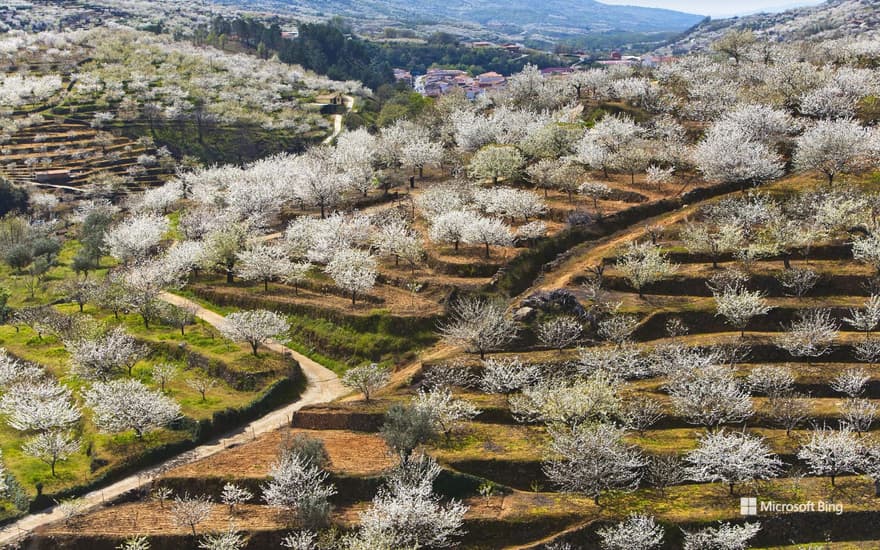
pixel 511 17
pixel 827 21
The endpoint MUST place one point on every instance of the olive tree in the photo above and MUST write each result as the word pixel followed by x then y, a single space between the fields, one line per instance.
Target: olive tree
pixel 407 427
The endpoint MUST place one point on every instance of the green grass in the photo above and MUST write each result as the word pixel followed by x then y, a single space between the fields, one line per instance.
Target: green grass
pixel 109 451
pixel 332 364
pixel 345 347
pixel 118 449
pixel 49 291
pixel 336 346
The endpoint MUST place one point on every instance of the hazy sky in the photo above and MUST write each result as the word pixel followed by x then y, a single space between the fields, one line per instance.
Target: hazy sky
pixel 717 8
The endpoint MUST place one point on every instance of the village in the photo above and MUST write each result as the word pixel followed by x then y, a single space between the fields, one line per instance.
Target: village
pixel 441 81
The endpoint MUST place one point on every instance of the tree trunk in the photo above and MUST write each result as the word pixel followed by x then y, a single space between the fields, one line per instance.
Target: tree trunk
pixel 487 251
pixel 230 277
pixel 266 285
pixel 833 484
pixel 254 346
pixel 353 296
pixel 730 485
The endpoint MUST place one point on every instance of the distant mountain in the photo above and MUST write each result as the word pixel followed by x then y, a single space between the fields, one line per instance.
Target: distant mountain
pixel 833 19
pixel 524 18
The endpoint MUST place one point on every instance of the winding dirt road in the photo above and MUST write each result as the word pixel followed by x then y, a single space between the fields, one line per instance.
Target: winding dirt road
pixel 323 386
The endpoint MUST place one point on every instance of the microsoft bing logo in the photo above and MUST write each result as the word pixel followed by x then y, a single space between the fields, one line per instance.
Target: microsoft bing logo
pixel 748 506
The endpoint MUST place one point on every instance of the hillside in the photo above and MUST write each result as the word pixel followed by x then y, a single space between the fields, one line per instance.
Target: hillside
pixel 625 306
pixel 831 20
pixel 518 18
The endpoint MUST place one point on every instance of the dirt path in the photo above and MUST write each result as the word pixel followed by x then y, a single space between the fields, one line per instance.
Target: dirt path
pixel 598 249
pixel 323 386
pixel 337 129
pixel 337 120
pixel 550 539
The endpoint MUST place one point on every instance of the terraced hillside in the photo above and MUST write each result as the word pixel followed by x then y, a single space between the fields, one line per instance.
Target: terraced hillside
pixel 505 447
pixel 75 111
pixel 622 308
pixel 84 153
